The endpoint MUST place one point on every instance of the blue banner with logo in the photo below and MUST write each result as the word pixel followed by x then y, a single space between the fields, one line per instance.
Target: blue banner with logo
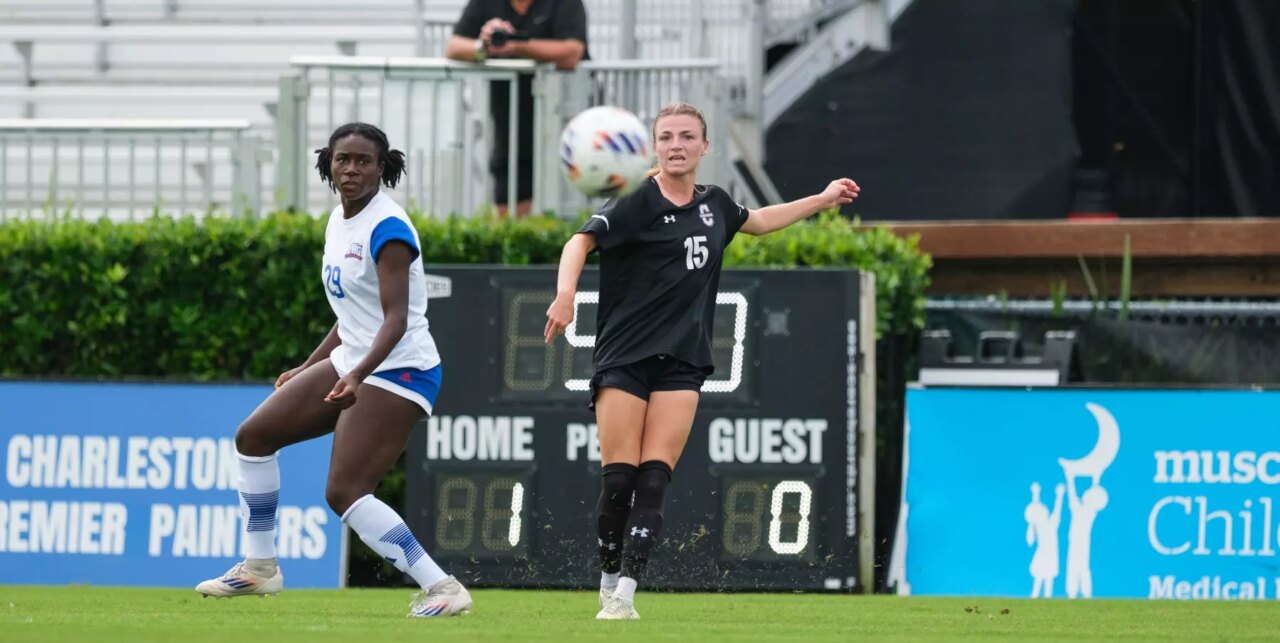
pixel 1091 493
pixel 135 484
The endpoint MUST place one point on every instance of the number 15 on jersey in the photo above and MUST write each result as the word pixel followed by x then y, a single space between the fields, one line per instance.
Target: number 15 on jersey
pixel 696 252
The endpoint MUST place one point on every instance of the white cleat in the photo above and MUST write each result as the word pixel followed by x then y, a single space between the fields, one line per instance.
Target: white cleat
pixel 239 581
pixel 446 598
pixel 605 595
pixel 618 609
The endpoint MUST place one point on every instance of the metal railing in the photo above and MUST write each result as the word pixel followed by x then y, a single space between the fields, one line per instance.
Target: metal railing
pixel 640 86
pixel 433 109
pixel 711 55
pixel 437 112
pixel 733 32
pixel 1178 312
pixel 121 169
pixel 292 12
pixel 434 35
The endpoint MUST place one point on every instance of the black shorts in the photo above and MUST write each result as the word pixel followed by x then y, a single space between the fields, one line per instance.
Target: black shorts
pixel 524 181
pixel 657 373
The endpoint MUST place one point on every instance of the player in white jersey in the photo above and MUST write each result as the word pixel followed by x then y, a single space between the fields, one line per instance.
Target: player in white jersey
pixel 369 382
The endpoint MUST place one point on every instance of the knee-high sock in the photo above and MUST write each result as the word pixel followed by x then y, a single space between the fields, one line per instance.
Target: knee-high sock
pixel 384 531
pixel 617 484
pixel 259 486
pixel 645 522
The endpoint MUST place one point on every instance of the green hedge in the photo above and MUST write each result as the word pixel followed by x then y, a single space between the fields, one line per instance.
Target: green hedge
pixel 236 298
pixel 239 298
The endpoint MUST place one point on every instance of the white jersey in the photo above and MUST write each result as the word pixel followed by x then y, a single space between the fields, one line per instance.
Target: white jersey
pixel 350 274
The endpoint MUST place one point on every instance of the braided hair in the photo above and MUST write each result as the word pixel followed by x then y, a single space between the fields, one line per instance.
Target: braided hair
pixel 392 160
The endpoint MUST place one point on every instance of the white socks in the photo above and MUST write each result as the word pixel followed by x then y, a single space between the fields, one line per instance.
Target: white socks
pixel 382 529
pixel 608 581
pixel 626 589
pixel 259 494
pixel 378 525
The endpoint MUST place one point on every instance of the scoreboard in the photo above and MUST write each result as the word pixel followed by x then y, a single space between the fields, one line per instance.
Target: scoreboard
pixel 773 490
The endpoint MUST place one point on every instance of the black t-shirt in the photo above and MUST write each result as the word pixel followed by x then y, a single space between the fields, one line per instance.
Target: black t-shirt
pixel 545 20
pixel 659 272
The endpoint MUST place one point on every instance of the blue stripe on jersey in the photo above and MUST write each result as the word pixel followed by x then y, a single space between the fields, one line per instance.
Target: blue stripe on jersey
pixel 391 229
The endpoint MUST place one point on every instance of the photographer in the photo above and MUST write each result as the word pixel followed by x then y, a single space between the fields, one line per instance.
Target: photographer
pixel 544 30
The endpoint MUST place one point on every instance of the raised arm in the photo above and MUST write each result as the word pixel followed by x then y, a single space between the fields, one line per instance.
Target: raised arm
pixel 1073 499
pixel 776 217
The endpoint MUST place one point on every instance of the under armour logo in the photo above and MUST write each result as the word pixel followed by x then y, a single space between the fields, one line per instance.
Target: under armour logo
pixel 609 546
pixel 669 218
pixel 637 531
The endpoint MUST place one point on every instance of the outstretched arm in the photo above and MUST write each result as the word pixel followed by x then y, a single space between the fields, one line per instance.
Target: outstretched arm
pixel 776 217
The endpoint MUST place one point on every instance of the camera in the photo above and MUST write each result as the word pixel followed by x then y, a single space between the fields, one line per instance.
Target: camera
pixel 501 38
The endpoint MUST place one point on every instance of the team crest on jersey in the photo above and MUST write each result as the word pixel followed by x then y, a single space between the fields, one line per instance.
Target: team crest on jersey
pixel 355 251
pixel 704 211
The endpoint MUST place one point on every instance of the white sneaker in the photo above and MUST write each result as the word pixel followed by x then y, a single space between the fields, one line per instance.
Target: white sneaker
pixel 446 598
pixel 605 595
pixel 239 581
pixel 618 609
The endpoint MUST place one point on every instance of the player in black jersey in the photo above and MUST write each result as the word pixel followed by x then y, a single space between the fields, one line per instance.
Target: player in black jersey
pixel 660 254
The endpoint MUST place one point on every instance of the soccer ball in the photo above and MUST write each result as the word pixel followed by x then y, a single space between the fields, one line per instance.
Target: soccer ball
pixel 605 152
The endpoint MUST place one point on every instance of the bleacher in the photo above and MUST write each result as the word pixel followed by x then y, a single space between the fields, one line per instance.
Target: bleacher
pixel 210 59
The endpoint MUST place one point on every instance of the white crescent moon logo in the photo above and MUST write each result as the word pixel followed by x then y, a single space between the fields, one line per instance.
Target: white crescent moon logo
pixel 1104 451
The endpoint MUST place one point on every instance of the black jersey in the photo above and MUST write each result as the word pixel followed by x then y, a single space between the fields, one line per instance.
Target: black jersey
pixel 659 272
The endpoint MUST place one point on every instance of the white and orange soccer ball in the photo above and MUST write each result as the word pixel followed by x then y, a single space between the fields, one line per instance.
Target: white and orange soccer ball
pixel 604 152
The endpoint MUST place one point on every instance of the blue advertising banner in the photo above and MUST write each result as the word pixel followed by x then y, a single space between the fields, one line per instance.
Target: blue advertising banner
pixel 1091 493
pixel 135 484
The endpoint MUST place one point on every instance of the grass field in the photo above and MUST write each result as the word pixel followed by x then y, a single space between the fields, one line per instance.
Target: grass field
pixel 103 615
